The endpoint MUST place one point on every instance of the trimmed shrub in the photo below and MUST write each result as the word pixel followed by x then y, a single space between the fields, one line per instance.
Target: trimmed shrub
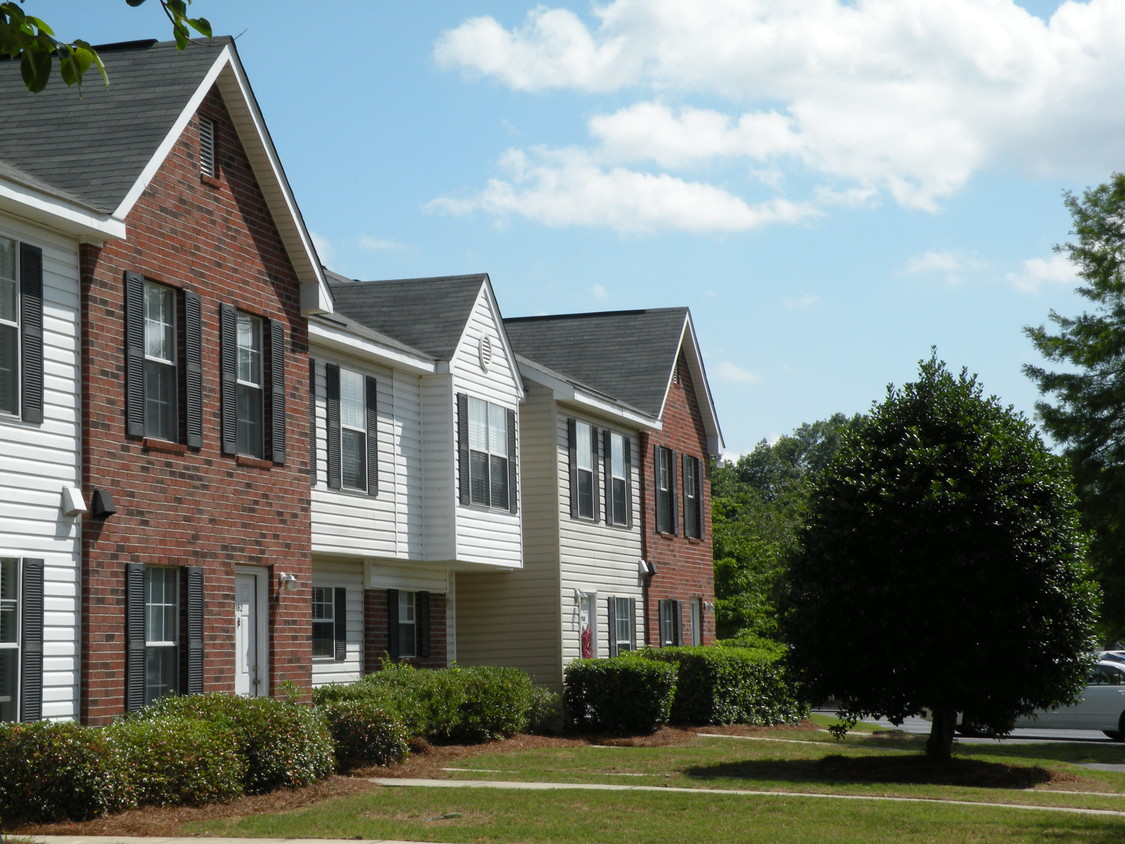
pixel 494 702
pixel 545 715
pixel 365 733
pixel 284 744
pixel 729 685
pixel 624 694
pixel 55 772
pixel 177 761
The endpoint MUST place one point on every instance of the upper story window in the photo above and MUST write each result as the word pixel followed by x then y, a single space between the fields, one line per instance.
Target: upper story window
pixel 487 446
pixel 207 160
pixel 21 330
pixel 163 362
pixel 693 497
pixel 583 478
pixel 619 504
pixel 665 471
pixel 352 421
pixel 253 370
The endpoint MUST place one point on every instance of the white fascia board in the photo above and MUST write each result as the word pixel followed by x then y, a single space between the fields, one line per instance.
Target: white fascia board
pixel 498 318
pixel 341 340
pixel 568 393
pixel 243 109
pixel 715 442
pixel 71 219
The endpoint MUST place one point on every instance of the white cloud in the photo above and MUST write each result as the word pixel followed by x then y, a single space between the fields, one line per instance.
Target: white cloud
pixel 1035 272
pixel 953 266
pixel 905 99
pixel 728 371
pixel 324 248
pixel 599 291
pixel 375 244
pixel 805 300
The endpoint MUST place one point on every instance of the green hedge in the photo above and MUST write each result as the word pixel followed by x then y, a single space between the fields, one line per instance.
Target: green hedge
pixel 446 705
pixel 284 744
pixel 365 733
pixel 729 685
pixel 174 761
pixel 53 772
pixel 624 694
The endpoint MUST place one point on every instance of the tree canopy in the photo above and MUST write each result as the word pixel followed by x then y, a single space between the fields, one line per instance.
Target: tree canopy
pixel 941 566
pixel 757 506
pixel 1087 414
pixel 31 41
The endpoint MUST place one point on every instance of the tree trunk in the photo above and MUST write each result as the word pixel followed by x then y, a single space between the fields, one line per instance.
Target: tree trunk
pixel 939 746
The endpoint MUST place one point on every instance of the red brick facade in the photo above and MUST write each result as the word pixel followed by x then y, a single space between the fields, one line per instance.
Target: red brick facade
pixel 684 570
pixel 180 506
pixel 376 641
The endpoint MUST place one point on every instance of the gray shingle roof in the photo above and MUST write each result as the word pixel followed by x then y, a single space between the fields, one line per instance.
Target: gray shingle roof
pixel 93 146
pixel 628 355
pixel 427 313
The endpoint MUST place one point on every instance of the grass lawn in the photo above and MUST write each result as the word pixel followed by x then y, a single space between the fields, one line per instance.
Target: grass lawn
pixel 821 790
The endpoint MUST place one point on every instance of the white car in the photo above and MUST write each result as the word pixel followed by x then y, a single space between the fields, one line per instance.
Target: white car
pixel 1101 707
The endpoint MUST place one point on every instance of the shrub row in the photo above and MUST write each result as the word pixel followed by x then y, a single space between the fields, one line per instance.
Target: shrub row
pixel 467 705
pixel 643 690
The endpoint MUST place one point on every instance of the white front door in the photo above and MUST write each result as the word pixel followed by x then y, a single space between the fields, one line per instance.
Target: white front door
pixel 250 669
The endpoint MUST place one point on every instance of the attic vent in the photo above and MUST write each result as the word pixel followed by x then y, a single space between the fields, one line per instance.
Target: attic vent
pixel 485 352
pixel 207 147
pixel 676 374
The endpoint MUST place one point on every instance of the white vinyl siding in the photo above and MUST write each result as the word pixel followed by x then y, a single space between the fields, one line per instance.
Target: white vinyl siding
pixel 38 460
pixel 330 575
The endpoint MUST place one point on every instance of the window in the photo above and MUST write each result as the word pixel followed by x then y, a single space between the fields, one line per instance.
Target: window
pixel 619 495
pixel 207 160
pixel 583 478
pixel 697 621
pixel 253 370
pixel 164 632
pixel 408 624
pixel 665 490
pixel 162 621
pixel 622 624
pixel 486 435
pixel 669 623
pixel 21 639
pixel 21 330
pixel 164 362
pixel 352 421
pixel 693 498
pixel 329 626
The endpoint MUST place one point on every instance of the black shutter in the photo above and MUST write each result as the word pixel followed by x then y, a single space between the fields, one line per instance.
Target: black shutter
pixel 332 395
pixel 228 344
pixel 193 368
pixel 392 623
pixel 672 492
pixel 31 332
pixel 632 624
pixel 134 637
pixel 678 609
pixel 595 479
pixel 611 613
pixel 340 622
pixel 312 420
pixel 134 354
pixel 191 658
pixel 463 447
pixel 628 483
pixel 277 391
pixel 422 616
pixel 371 400
pixel 31 656
pixel 607 473
pixel 513 469
pixel 572 457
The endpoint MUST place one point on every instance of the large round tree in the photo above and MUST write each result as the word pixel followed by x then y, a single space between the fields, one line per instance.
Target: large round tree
pixel 941 566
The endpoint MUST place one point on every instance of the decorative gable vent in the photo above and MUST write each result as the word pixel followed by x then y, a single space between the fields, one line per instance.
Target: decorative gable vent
pixel 207 147
pixel 485 352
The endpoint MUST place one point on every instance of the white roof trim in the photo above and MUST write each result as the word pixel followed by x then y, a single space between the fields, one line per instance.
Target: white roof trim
pixel 227 72
pixel 715 442
pixel 70 218
pixel 571 393
pixel 509 354
pixel 342 340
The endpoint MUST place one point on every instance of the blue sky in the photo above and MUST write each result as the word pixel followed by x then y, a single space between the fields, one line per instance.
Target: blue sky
pixel 831 187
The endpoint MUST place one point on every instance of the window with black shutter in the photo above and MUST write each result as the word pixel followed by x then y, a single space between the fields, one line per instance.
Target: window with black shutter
pixel 352 425
pixel 21 330
pixel 486 448
pixel 583 449
pixel 253 385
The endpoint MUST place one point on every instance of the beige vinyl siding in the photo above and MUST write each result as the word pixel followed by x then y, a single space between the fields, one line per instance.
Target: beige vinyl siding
pixel 349 575
pixel 508 618
pixel 486 536
pixel 389 524
pixel 37 461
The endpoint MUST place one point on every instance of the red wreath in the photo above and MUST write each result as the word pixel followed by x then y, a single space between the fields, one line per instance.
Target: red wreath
pixel 587 643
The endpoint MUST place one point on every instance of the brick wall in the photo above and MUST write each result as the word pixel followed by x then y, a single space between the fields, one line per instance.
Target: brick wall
pixel 178 506
pixel 683 565
pixel 376 642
